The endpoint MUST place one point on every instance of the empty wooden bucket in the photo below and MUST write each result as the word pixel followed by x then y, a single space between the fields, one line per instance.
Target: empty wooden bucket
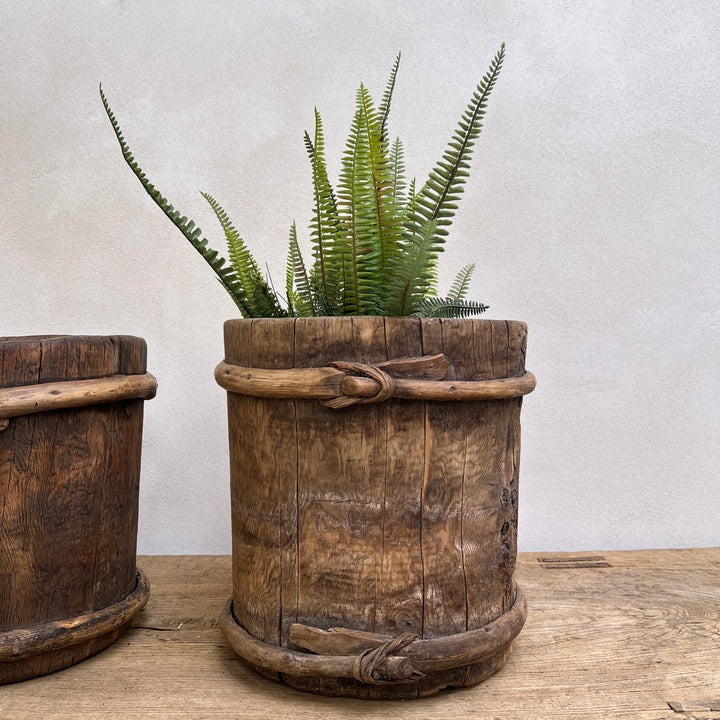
pixel 374 480
pixel 71 413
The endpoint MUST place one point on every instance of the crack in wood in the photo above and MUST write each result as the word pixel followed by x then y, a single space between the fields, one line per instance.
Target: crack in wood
pixel 574 561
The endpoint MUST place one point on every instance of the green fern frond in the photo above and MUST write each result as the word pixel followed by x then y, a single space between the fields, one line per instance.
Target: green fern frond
pixel 369 209
pixel 225 273
pixel 397 165
pixel 411 192
pixel 326 229
pixel 438 198
pixel 448 308
pixel 254 285
pixel 242 261
pixel 358 208
pixel 298 306
pixel 388 216
pixel 297 280
pixel 348 198
pixel 461 284
pixel 412 277
pixel 384 109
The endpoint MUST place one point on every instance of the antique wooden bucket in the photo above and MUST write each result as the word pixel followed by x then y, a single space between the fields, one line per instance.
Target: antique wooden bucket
pixel 374 476
pixel 71 413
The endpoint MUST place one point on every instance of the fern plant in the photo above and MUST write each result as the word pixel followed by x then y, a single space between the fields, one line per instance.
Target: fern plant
pixel 375 240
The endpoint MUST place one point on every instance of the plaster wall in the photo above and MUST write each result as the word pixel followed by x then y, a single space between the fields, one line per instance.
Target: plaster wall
pixel 591 211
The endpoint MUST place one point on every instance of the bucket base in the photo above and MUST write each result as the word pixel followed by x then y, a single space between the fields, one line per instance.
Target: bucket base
pixel 30 652
pixel 349 663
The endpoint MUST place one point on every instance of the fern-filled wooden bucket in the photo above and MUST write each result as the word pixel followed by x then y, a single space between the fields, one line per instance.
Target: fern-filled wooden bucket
pixel 374 475
pixel 71 415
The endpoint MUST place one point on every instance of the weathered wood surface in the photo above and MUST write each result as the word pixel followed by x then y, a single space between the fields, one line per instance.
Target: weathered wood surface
pixel 440 653
pixel 68 491
pixel 26 400
pixel 619 642
pixel 49 637
pixel 392 517
pixel 371 657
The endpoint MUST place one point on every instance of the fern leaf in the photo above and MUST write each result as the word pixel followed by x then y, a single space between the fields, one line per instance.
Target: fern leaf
pixel 384 109
pixel 264 302
pixel 388 214
pixel 359 250
pixel 369 209
pixel 245 266
pixel 448 308
pixel 461 284
pixel 438 198
pixel 397 166
pixel 290 281
pixel 299 308
pixel 411 192
pixel 261 299
pixel 297 277
pixel 412 277
pixel 225 273
pixel 445 182
pixel 326 229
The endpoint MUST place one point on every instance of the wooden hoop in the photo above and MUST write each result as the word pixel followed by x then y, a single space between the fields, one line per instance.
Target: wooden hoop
pixel 58 634
pixel 335 388
pixel 339 649
pixel 29 399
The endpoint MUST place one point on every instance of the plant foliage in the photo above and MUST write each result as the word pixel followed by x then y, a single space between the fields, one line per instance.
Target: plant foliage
pixel 375 240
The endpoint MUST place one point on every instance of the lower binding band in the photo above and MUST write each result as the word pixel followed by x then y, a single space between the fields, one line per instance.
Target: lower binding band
pixel 344 653
pixel 58 634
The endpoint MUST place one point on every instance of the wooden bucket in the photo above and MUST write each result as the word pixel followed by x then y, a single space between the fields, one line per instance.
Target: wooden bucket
pixel 71 413
pixel 374 503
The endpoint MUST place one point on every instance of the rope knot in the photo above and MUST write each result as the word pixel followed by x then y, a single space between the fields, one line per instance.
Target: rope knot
pixel 386 384
pixel 367 667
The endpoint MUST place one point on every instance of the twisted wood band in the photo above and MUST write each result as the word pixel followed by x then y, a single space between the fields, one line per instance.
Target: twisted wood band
pixel 340 383
pixel 385 382
pixel 367 667
pixel 29 399
pixel 20 643
pixel 340 653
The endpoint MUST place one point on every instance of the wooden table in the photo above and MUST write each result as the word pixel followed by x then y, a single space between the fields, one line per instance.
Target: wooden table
pixel 609 635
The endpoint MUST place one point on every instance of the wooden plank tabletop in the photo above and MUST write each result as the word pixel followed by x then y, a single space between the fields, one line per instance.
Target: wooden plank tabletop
pixel 609 635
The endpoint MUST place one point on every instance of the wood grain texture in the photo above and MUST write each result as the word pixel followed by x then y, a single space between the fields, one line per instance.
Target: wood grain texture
pixel 264 497
pixel 617 643
pixel 74 393
pixel 392 517
pixel 69 485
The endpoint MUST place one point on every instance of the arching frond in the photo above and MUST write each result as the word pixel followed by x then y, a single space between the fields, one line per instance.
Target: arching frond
pixel 397 165
pixel 412 276
pixel 300 296
pixel 445 308
pixel 192 233
pixel 327 231
pixel 260 298
pixel 384 108
pixel 461 284
pixel 438 198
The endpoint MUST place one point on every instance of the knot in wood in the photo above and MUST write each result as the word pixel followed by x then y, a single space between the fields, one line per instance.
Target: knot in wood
pixel 368 669
pixel 386 384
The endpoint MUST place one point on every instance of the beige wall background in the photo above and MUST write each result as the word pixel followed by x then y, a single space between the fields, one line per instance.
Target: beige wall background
pixel 592 213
